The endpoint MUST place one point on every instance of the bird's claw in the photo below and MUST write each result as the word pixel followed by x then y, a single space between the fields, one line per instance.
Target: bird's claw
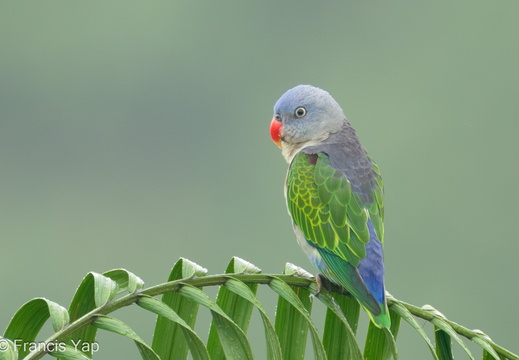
pixel 322 282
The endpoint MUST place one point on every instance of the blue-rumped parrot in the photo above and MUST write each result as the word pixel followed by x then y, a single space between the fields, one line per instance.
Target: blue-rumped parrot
pixel 334 192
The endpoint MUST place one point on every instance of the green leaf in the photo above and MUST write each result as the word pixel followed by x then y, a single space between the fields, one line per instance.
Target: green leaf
pixel 104 289
pixel 484 340
pixel 95 290
pixel 405 314
pixel 243 290
pixel 196 346
pixel 67 352
pixel 239 266
pixel 391 335
pixel 443 345
pixel 234 305
pixel 29 319
pixel 487 356
pixel 169 341
pixel 342 317
pixel 375 346
pixel 380 342
pixel 234 341
pixel 293 319
pixel 350 307
pixel 117 326
pixel 440 323
pixel 125 280
pixel 291 324
pixel 8 350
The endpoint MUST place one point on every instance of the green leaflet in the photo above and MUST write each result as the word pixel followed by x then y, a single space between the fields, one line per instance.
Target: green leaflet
pixel 29 319
pixel 342 317
pixel 443 344
pixel 380 342
pixel 290 325
pixel 69 353
pixel 94 291
pixel 234 342
pixel 117 326
pixel 484 341
pixel 404 313
pixel 196 346
pixel 243 290
pixel 125 280
pixel 8 350
pixel 288 336
pixel 169 340
pixel 293 318
pixel 104 289
pixel 440 323
pixel 237 307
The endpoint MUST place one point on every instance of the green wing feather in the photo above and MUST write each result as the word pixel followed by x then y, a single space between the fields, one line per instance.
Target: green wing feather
pixel 328 212
pixel 334 219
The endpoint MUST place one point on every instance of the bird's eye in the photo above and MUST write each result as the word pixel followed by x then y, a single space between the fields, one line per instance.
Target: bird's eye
pixel 300 112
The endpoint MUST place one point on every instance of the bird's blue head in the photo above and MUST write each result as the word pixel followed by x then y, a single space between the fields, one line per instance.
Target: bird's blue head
pixel 303 116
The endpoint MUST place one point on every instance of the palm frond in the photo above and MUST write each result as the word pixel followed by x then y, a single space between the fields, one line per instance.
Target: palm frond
pixel 181 296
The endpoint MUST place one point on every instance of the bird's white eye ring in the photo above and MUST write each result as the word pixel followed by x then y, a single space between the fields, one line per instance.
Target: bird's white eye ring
pixel 300 112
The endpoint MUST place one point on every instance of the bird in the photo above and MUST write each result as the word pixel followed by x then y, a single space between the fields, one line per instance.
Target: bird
pixel 334 195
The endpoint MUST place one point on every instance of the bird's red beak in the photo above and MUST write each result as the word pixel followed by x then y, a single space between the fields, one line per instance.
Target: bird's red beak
pixel 275 131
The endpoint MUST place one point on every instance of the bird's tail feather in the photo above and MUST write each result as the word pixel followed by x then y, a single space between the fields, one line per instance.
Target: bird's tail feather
pixel 343 273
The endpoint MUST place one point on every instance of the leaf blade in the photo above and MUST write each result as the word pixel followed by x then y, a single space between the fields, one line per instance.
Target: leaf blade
pixel 8 350
pixel 125 280
pixel 296 303
pixel 290 325
pixel 232 338
pixel 439 322
pixel 169 341
pixel 273 346
pixel 484 341
pixel 342 316
pixel 234 305
pixel 195 344
pixel 443 344
pixel 95 290
pixel 117 326
pixel 105 289
pixel 30 318
pixel 408 317
pixel 68 352
pixel 380 342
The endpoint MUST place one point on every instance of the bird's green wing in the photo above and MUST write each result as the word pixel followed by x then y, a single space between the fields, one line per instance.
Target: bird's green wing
pixel 331 215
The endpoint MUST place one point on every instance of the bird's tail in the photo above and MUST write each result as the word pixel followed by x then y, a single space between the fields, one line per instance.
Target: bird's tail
pixel 381 320
pixel 342 272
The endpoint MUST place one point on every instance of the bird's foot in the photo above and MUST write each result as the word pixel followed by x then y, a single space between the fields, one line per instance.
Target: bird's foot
pixel 323 282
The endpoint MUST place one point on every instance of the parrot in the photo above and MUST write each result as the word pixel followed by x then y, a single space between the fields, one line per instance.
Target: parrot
pixel 333 190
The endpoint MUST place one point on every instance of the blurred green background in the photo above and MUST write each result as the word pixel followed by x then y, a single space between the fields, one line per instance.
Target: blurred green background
pixel 134 133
